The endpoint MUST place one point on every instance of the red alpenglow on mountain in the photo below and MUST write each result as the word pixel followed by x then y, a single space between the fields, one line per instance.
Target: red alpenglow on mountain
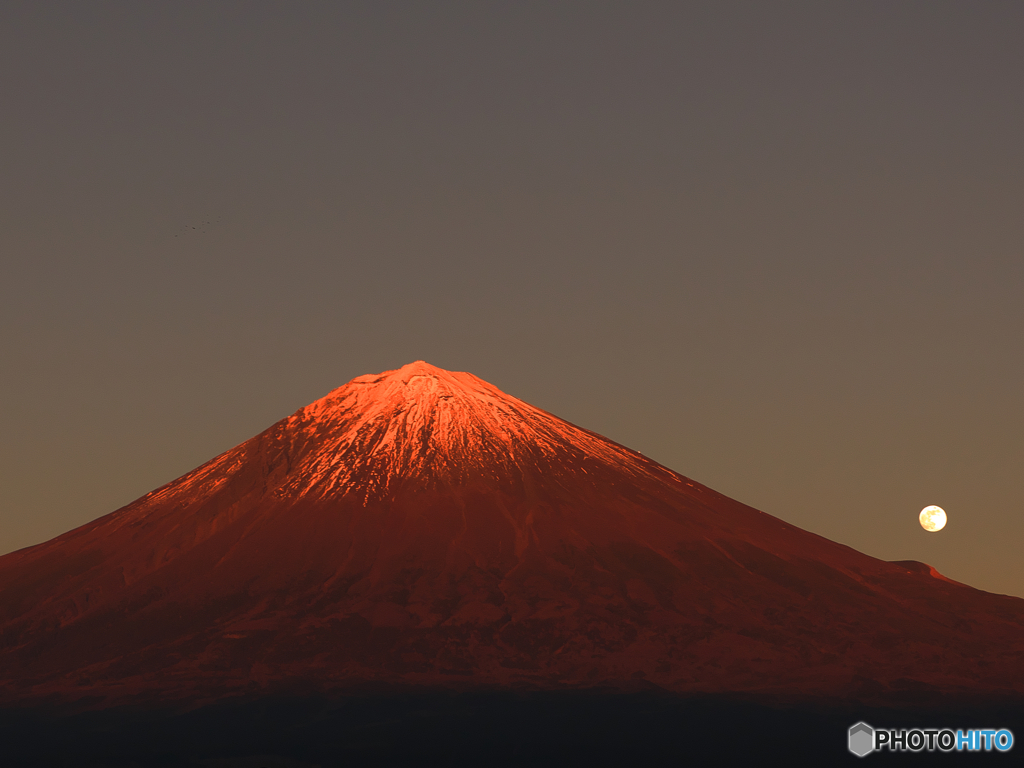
pixel 420 527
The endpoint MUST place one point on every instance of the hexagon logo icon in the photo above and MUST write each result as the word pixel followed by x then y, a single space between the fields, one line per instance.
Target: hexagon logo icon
pixel 862 739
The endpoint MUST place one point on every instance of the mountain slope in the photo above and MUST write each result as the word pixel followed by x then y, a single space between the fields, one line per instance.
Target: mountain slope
pixel 422 527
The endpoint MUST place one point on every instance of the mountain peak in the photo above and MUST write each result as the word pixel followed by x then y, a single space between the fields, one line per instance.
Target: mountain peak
pixel 416 380
pixel 405 373
pixel 435 424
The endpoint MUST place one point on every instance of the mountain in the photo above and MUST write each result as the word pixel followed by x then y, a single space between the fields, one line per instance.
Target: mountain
pixel 422 528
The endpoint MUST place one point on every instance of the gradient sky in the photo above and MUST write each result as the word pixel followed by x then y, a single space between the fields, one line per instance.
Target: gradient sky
pixel 778 247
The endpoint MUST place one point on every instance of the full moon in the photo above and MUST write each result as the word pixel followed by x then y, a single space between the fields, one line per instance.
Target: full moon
pixel 933 518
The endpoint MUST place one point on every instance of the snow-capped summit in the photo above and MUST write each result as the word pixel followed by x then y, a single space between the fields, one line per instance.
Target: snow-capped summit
pixel 434 425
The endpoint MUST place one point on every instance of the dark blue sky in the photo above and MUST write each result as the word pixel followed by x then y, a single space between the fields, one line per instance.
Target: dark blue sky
pixel 778 247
